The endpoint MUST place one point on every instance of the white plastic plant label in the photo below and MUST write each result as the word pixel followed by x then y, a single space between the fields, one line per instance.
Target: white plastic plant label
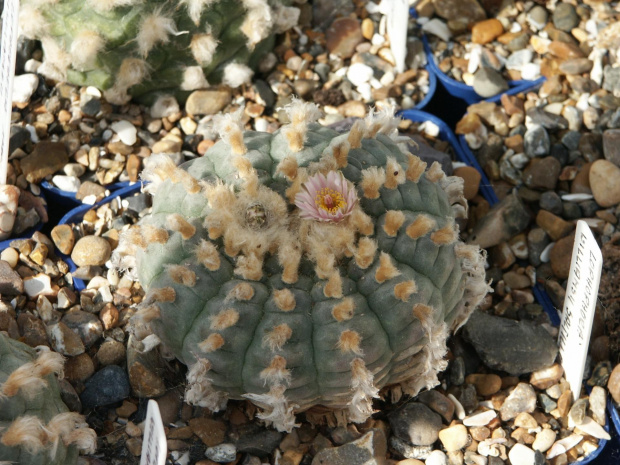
pixel 397 14
pixel 579 305
pixel 154 448
pixel 7 71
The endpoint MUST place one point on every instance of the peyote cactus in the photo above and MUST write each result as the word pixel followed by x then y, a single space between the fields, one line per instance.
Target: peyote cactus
pixel 36 427
pixel 303 267
pixel 132 47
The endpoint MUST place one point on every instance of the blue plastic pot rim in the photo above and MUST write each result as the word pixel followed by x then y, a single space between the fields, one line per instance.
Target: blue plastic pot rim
pixel 445 132
pixel 76 215
pixel 614 414
pixel 49 187
pixel 463 91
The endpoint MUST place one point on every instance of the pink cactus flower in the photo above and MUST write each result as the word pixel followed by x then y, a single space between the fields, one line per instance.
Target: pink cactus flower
pixel 326 198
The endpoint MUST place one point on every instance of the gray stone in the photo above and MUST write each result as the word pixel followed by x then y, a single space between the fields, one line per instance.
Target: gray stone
pixel 536 142
pixel 370 449
pixel 521 399
pixel 438 402
pixel 222 453
pixel 547 120
pixel 257 441
pixel 18 138
pixel 577 412
pixel 571 139
pixel 108 386
pixel 516 347
pixel 415 424
pixel 537 17
pixel 86 325
pixel 11 282
pixel 565 17
pixel 551 202
pixel 409 451
pixel 611 145
pixel 611 79
pixel 506 219
pixel 488 82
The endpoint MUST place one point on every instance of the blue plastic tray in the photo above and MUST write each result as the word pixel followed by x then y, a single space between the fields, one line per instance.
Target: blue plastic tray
pixel 67 199
pixel 432 87
pixel 76 215
pixel 615 417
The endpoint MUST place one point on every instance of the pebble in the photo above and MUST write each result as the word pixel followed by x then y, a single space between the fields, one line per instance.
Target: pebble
pixel 486 31
pixel 553 225
pixel 342 36
pixel 46 159
pixel 471 177
pixel 107 386
pixel 436 457
pixel 438 28
pixel 480 419
pixel 485 384
pixel 506 219
pixel 211 432
pixel 520 454
pixel 537 17
pixel 64 340
pixel 66 183
pixel 207 102
pixel 547 377
pixel 126 131
pixel 111 352
pixel 259 441
pixel 454 438
pixel 37 285
pixel 371 448
pixel 598 404
pixel 613 384
pixel 24 86
pixel 611 146
pixel 91 251
pixel 605 183
pixel 164 106
pixel 11 282
pixel 438 403
pixel 10 256
pixel 488 82
pixel 63 237
pixel 516 347
pixel 536 141
pixel 544 440
pixel 560 256
pixel 415 424
pixel 565 17
pixel 359 73
pixel 521 399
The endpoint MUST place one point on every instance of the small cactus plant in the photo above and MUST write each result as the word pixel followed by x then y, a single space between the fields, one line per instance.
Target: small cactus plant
pixel 133 47
pixel 303 267
pixel 36 427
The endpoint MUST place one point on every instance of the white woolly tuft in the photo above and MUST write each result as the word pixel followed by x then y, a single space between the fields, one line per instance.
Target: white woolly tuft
pixel 131 72
pixel 236 74
pixel 199 390
pixel 203 48
pixel 195 8
pixel 194 78
pixel 382 121
pixel 57 61
pixel 156 28
pixel 85 440
pixel 300 112
pixel 32 23
pixel 284 18
pixel 104 6
pixel 227 124
pixel 277 411
pixel 360 407
pixel 85 48
pixel 116 95
pixel 157 168
pixel 150 342
pixel 258 21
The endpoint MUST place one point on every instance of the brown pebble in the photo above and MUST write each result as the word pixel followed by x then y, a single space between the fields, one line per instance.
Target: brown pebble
pixel 109 316
pixel 126 409
pixel 211 432
pixel 471 178
pixel 485 384
pixel 134 446
pixel 547 377
pixel 553 225
pixel 581 181
pixel 564 402
pixel 343 36
pixel 133 167
pixel 111 353
pixel 486 31
pixel 368 28
pixel 479 433
pixel 560 256
pixel 613 385
pixel 79 368
pixel 605 183
pixel 91 250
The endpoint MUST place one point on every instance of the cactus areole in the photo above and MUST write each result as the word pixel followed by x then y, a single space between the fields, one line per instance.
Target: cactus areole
pixel 303 267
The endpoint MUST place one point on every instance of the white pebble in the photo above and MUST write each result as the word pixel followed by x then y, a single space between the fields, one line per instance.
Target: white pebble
pixel 377 39
pixel 545 254
pixel 126 131
pixel 93 92
pixel 458 407
pixel 365 91
pixel 589 426
pixel 74 169
pixel 530 71
pixel 32 65
pixel 429 128
pixel 106 294
pixel 544 440
pixel 10 255
pixel 24 86
pixel 437 457
pixel 261 124
pixel 359 73
pixel 577 197
pixel 165 105
pixel 564 445
pixel 554 108
pixel 480 419
pixel 66 183
pixel 33 133
pixel 38 285
pixel 522 455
